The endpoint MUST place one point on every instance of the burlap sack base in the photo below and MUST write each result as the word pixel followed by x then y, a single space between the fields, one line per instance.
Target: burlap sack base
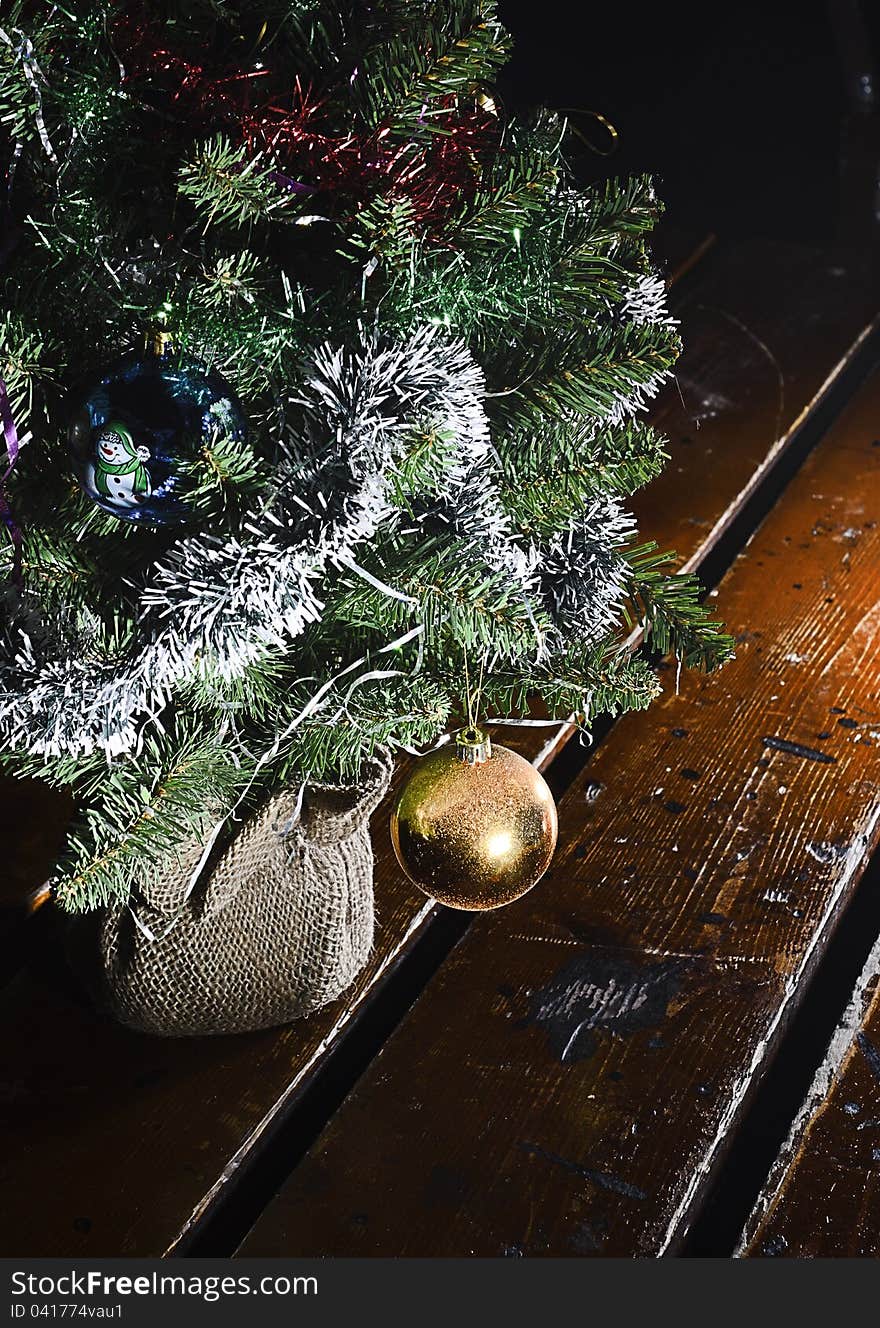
pixel 280 924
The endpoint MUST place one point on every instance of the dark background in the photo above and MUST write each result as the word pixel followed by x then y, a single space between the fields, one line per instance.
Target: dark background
pixel 746 113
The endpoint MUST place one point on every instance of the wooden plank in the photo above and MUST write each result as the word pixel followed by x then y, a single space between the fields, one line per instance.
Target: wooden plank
pixel 171 1122
pixel 822 1199
pixel 569 1078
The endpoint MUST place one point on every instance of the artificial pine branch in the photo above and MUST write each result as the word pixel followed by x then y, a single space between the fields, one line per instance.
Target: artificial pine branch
pixel 608 374
pixel 228 189
pixel 579 682
pixel 138 812
pixel 516 186
pixel 444 586
pixel 425 50
pixel 668 608
pixel 550 475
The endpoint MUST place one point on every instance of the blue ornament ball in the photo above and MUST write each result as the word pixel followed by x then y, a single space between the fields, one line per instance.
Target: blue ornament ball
pixel 139 437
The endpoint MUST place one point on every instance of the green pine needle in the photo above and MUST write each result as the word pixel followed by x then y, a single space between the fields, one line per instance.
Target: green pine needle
pixel 668 608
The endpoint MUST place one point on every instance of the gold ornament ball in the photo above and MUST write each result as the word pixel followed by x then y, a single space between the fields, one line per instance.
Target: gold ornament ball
pixel 474 825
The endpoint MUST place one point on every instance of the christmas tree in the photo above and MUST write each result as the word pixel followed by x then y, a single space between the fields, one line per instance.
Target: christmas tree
pixel 437 351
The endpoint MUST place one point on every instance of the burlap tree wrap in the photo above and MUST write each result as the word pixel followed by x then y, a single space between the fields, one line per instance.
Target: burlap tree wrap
pixel 278 925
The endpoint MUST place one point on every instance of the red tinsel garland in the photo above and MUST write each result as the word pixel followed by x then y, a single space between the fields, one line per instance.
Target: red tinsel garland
pixel 434 175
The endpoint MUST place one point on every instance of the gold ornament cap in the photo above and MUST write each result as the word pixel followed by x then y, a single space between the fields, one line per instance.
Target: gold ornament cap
pixel 473 746
pixel 159 339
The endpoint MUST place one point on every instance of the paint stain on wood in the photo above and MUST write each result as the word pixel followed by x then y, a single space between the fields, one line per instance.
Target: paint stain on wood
pixel 798 749
pixel 602 992
pixel 826 852
pixel 605 1180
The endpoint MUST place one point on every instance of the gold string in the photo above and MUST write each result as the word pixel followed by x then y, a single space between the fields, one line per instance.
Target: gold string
pixel 480 684
pixel 613 135
pixel 467 687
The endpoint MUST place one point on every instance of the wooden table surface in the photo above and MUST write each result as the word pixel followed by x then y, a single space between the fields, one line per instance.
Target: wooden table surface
pixel 567 1081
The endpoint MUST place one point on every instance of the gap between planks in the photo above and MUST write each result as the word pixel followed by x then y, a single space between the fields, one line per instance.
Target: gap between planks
pixel 837 1054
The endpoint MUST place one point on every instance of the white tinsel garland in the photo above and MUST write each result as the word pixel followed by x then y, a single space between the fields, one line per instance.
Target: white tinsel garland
pixel 223 602
pixel 583 572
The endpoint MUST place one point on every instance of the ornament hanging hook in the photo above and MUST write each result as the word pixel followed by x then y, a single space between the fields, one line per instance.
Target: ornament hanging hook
pixel 159 338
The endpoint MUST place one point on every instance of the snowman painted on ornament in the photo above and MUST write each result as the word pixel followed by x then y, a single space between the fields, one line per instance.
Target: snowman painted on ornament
pixel 118 471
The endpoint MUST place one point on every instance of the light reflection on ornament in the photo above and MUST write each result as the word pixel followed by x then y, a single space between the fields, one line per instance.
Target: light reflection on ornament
pixel 499 843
